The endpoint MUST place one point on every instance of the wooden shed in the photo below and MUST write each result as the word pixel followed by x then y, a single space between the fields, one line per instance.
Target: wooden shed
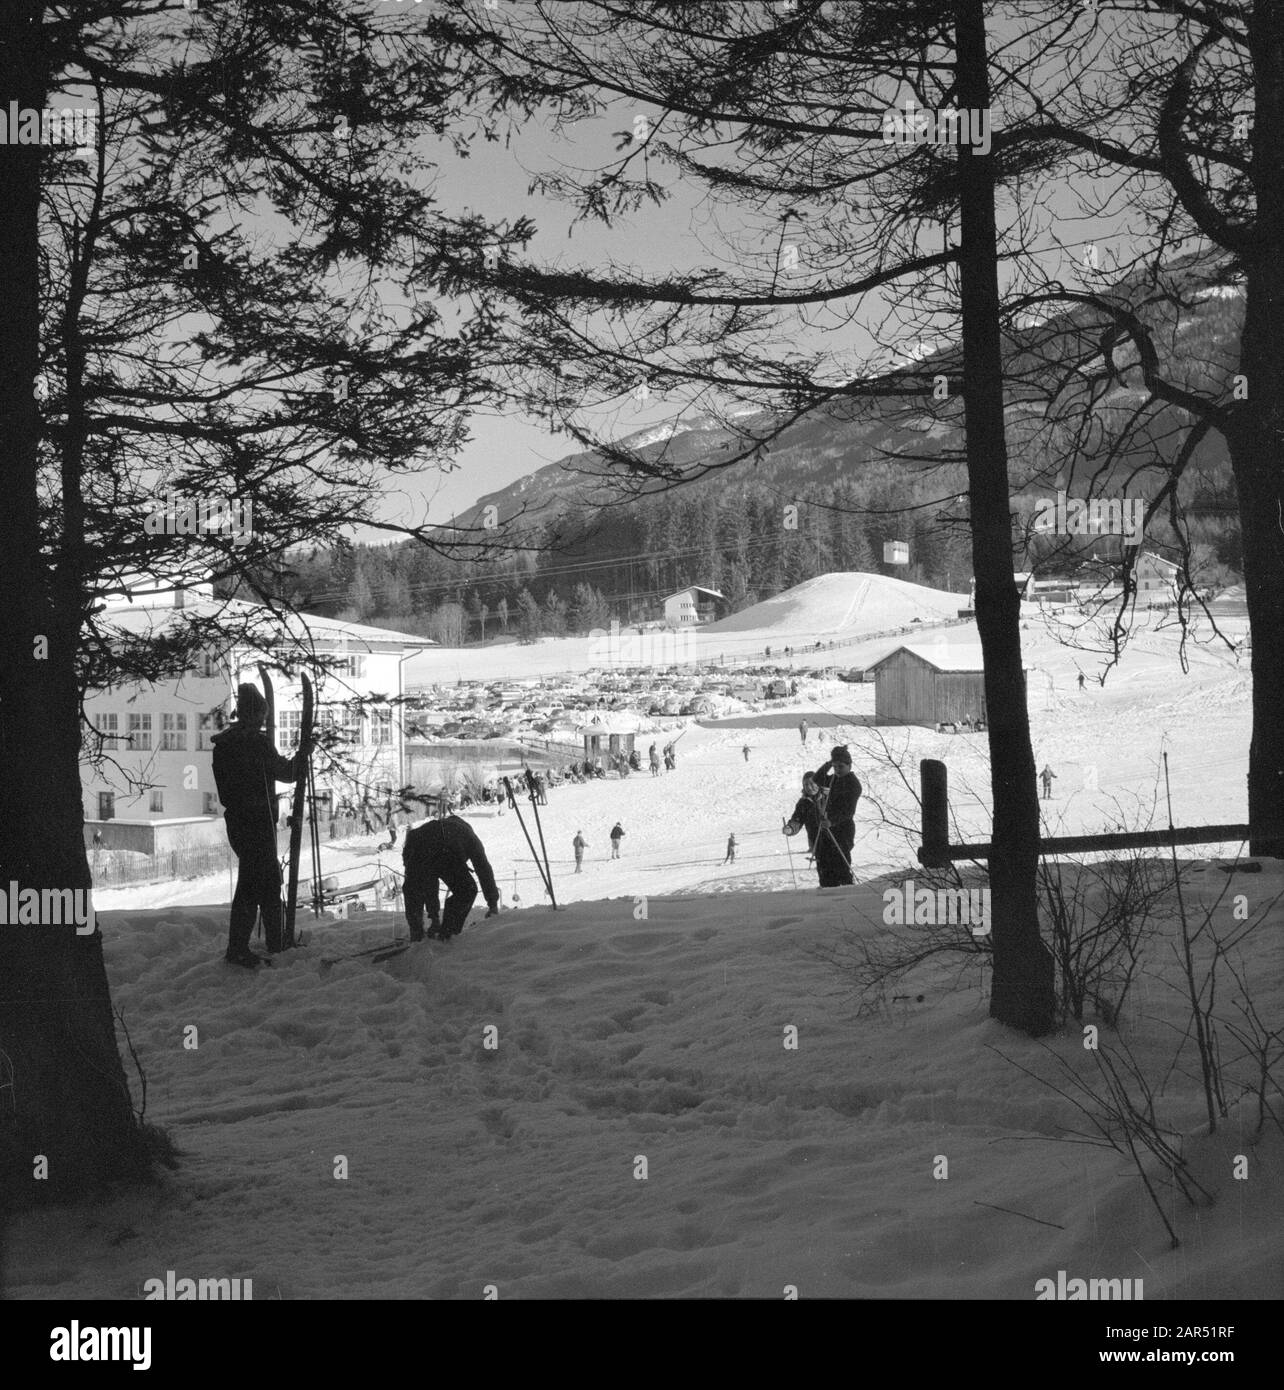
pixel 929 685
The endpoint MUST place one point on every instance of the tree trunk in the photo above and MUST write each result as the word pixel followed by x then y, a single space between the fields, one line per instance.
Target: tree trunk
pixel 63 1094
pixel 1256 436
pixel 1022 993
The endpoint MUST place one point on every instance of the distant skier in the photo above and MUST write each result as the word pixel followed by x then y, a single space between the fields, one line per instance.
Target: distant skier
pixel 745 751
pixel 655 761
pixel 635 760
pixel 731 850
pixel 838 830
pixel 440 851
pixel 579 844
pixel 246 766
pixel 670 757
pixel 1047 777
pixel 617 834
pixel 1080 680
pixel 365 814
pixel 802 731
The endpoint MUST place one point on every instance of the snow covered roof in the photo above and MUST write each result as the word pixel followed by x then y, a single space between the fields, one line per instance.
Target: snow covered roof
pixel 696 589
pixel 944 658
pixel 307 631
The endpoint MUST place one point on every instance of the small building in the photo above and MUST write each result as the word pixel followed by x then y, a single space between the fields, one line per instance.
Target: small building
pixel 1157 578
pixel 919 684
pixel 607 744
pixel 693 605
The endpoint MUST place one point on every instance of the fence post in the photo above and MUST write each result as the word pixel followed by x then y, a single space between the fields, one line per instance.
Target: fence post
pixel 933 784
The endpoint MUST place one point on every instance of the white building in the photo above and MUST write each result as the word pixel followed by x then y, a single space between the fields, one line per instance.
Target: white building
pixel 1157 578
pixel 692 605
pixel 157 768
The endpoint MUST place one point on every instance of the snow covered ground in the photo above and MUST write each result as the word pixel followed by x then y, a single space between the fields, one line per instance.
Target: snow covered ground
pixel 648 1020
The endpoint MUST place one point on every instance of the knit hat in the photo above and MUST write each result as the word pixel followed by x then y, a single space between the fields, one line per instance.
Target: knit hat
pixel 839 754
pixel 251 707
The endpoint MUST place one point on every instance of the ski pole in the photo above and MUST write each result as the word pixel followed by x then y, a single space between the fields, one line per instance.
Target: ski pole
pixel 539 868
pixel 789 845
pixel 548 872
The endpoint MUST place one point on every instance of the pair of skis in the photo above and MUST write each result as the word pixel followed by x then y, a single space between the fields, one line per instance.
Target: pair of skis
pixel 303 786
pixel 542 869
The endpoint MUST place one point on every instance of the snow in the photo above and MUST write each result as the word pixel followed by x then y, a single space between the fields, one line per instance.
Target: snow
pixel 647 1019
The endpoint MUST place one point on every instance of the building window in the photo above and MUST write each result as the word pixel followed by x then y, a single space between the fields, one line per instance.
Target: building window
pixel 174 733
pixel 210 665
pixel 208 727
pixel 381 726
pixel 353 666
pixel 348 722
pixel 140 731
pixel 289 723
pixel 106 805
pixel 108 725
pixel 157 801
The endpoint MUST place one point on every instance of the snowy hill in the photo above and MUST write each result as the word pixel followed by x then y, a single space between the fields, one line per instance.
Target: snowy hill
pixel 842 605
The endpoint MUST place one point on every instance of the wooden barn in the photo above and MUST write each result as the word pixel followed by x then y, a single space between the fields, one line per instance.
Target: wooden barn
pixel 918 684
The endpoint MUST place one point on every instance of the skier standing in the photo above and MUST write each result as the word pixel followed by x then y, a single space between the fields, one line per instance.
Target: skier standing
pixel 655 762
pixel 731 850
pixel 439 851
pixel 617 834
pixel 838 830
pixel 745 751
pixel 579 843
pixel 246 765
pixel 802 730
pixel 1047 777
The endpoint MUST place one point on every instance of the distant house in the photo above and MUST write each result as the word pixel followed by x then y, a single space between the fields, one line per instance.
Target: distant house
pixel 693 605
pixel 1157 578
pixel 918 684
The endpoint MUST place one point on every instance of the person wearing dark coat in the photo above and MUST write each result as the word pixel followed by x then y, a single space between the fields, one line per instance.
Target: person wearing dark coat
pixel 808 815
pixel 440 851
pixel 246 769
pixel 617 834
pixel 838 831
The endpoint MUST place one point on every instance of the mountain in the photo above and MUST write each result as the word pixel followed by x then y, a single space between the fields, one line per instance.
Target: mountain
pixel 908 431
